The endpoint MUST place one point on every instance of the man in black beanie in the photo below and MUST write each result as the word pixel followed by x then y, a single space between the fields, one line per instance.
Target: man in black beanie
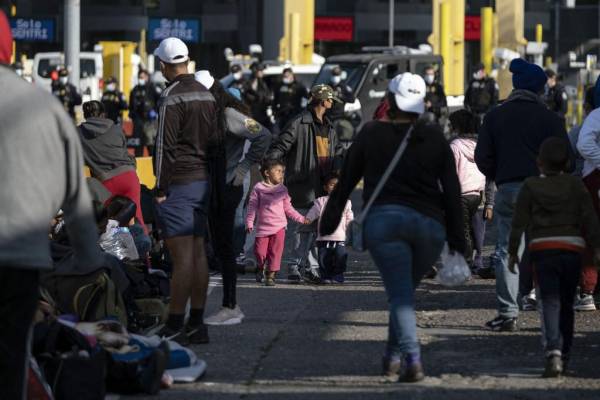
pixel 506 153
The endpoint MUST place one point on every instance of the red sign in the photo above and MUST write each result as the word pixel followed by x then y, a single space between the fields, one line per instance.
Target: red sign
pixel 472 27
pixel 338 29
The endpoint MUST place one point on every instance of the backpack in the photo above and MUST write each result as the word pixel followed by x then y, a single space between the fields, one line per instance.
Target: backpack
pixel 91 297
pixel 99 299
pixel 74 369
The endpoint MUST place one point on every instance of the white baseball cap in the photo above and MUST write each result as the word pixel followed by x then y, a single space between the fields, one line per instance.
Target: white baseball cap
pixel 172 51
pixel 409 92
pixel 205 78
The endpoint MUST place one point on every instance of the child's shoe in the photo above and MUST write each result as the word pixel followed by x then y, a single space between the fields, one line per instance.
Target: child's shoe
pixel 270 278
pixel 259 275
pixel 554 364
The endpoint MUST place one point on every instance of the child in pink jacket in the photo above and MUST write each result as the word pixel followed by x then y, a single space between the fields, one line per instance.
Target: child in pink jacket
pixel 331 248
pixel 268 209
pixel 472 181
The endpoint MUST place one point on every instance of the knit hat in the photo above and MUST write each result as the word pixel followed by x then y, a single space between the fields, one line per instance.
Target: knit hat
pixel 5 39
pixel 527 76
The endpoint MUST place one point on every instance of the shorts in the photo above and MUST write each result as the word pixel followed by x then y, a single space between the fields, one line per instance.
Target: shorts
pixel 184 212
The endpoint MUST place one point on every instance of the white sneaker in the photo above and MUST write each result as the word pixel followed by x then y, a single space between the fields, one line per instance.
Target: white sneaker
pixel 226 316
pixel 585 302
pixel 529 301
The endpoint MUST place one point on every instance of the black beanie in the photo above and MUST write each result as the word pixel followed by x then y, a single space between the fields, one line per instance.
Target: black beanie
pixel 527 76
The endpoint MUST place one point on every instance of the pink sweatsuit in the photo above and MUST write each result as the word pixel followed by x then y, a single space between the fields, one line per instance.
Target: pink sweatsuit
pixel 268 209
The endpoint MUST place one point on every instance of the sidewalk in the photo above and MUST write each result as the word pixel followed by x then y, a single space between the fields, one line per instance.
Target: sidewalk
pixel 325 342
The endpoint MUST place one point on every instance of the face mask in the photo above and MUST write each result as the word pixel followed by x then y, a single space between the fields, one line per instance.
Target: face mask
pixel 19 72
pixel 288 81
pixel 63 80
pixel 336 79
pixel 111 87
pixel 237 76
pixel 479 75
pixel 142 82
pixel 429 79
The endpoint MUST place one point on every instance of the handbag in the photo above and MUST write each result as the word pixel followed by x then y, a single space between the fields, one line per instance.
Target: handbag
pixel 355 232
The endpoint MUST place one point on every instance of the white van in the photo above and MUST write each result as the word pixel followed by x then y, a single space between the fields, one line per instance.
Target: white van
pixel 90 65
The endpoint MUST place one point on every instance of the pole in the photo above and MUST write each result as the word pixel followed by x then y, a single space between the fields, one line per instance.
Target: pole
pixel 487 34
pixel 446 40
pixel 556 29
pixel 391 24
pixel 72 40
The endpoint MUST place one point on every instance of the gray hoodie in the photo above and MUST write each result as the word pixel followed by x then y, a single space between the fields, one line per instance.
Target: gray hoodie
pixel 41 172
pixel 105 148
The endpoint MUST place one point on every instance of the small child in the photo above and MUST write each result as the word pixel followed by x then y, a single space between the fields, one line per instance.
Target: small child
pixel 555 209
pixel 332 248
pixel 472 181
pixel 268 209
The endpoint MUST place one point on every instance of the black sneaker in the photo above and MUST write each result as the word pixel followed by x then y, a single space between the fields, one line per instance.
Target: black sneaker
pixel 198 334
pixel 179 336
pixel 503 324
pixel 259 275
pixel 391 367
pixel 312 276
pixel 150 371
pixel 412 373
pixel 486 273
pixel 554 365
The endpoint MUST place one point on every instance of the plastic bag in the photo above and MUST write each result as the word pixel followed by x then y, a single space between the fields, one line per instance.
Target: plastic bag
pixel 455 270
pixel 118 241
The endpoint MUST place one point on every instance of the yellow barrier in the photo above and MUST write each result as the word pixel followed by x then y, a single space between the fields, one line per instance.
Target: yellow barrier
pixel 144 171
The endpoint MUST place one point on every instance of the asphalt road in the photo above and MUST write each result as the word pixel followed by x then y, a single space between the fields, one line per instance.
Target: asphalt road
pixel 325 342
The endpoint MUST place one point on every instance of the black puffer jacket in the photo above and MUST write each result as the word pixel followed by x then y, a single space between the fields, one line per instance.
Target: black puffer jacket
pixel 105 148
pixel 297 146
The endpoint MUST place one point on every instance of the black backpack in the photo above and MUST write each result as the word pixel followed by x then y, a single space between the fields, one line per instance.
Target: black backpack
pixel 74 370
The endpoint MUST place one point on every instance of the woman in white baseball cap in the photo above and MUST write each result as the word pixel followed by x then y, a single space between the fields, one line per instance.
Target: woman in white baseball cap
pixel 416 208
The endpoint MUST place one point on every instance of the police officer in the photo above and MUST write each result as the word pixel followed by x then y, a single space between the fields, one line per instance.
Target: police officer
pixel 143 112
pixel 555 96
pixel 341 91
pixel 482 92
pixel 238 78
pixel 435 97
pixel 113 101
pixel 258 96
pixel 290 98
pixel 66 92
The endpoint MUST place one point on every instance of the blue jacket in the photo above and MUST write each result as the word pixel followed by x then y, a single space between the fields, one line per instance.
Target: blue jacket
pixel 511 135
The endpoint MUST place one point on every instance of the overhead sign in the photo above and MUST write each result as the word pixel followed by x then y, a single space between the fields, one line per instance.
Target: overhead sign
pixel 187 30
pixel 335 29
pixel 472 27
pixel 32 30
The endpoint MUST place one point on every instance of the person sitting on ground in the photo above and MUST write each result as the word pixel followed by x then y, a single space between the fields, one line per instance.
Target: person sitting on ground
pixel 554 209
pixel 332 248
pixel 472 182
pixel 105 153
pixel 268 209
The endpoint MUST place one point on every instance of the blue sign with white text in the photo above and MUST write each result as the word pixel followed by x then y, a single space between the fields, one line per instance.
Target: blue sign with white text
pixel 32 30
pixel 187 30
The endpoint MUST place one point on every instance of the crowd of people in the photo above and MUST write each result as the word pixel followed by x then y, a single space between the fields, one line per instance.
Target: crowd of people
pixel 227 186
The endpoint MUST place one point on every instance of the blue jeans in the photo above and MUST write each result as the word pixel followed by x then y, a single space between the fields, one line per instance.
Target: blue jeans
pixel 507 283
pixel 300 247
pixel 404 244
